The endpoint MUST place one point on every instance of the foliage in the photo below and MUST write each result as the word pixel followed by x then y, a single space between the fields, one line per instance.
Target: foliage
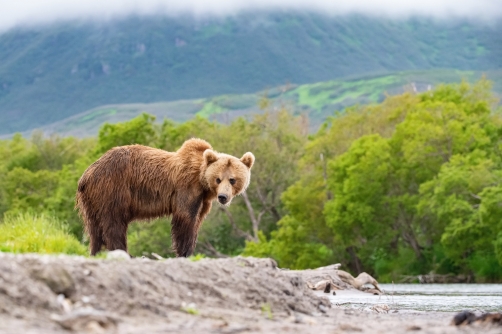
pixel 30 233
pixel 411 185
pixel 40 175
pixel 405 187
pixel 139 130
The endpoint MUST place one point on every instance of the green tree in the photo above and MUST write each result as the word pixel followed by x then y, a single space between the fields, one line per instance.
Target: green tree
pixel 139 130
pixel 276 138
pixel 369 186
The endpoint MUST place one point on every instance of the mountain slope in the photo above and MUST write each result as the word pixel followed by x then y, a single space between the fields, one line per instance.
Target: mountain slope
pixel 318 100
pixel 58 71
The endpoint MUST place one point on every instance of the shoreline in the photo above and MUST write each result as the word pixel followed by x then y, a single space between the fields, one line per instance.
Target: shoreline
pixel 62 294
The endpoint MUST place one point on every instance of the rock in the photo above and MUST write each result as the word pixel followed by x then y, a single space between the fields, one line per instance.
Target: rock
pixel 350 328
pixel 144 293
pixel 467 318
pixel 323 308
pixel 414 328
pixel 65 303
pixel 118 254
pixel 463 317
pixel 318 279
pixel 88 320
pixel 56 277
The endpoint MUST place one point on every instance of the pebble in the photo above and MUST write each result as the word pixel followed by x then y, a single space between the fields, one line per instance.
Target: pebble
pixel 117 254
pixel 85 319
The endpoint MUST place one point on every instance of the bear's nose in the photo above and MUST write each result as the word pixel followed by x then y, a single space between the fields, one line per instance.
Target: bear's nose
pixel 222 198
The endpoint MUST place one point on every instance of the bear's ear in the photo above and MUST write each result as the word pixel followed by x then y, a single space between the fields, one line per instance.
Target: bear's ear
pixel 210 156
pixel 248 159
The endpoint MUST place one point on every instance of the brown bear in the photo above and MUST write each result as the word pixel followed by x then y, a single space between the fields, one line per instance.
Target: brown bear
pixel 137 182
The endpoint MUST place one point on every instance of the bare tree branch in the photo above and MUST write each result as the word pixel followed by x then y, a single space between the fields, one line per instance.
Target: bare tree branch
pixel 261 197
pixel 240 232
pixel 261 215
pixel 475 196
pixel 255 221
pixel 208 247
pixel 270 208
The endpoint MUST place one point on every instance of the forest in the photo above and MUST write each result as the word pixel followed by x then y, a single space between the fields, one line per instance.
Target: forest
pixel 409 186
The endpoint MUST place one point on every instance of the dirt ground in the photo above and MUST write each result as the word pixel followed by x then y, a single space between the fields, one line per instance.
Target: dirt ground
pixel 61 294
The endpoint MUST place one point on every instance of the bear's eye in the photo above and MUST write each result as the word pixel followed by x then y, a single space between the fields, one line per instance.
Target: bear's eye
pixel 232 181
pixel 218 181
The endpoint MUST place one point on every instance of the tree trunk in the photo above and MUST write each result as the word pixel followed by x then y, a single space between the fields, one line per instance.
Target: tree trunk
pixel 409 237
pixel 255 221
pixel 356 262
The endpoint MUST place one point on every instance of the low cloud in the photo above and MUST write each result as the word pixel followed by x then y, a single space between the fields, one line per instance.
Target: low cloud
pixel 34 12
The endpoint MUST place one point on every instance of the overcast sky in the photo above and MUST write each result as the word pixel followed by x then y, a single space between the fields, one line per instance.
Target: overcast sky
pixel 23 12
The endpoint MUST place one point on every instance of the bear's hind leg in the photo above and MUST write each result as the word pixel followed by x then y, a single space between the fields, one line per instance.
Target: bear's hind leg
pixel 95 234
pixel 96 242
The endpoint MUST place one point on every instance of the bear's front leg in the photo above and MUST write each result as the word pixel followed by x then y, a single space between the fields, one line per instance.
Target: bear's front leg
pixel 186 221
pixel 184 235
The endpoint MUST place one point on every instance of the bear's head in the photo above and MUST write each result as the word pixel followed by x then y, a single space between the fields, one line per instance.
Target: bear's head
pixel 225 175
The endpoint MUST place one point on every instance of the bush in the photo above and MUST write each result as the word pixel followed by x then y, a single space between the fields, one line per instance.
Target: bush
pixel 29 233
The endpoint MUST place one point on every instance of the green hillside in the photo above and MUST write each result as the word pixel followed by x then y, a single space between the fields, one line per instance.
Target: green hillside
pixel 318 100
pixel 58 71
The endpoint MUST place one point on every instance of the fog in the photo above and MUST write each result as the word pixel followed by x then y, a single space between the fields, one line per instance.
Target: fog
pixel 34 12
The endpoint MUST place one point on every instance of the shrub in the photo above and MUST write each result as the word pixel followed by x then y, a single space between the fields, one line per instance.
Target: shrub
pixel 29 233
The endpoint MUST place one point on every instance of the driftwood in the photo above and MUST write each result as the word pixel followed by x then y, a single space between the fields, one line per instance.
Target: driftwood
pixel 321 278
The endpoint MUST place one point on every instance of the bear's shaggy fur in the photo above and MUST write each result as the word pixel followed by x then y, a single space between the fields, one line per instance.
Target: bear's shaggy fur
pixel 137 182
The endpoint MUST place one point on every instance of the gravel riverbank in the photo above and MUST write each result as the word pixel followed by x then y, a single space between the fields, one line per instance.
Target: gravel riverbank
pixel 59 294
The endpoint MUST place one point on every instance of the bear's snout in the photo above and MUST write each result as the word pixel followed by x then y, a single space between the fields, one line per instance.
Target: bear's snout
pixel 222 198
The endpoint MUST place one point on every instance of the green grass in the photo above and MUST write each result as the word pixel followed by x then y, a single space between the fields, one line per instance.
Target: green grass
pixel 210 108
pixel 266 310
pixel 98 113
pixel 190 310
pixel 197 257
pixel 29 233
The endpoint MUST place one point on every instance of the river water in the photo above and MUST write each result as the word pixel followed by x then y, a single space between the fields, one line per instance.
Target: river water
pixel 428 297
